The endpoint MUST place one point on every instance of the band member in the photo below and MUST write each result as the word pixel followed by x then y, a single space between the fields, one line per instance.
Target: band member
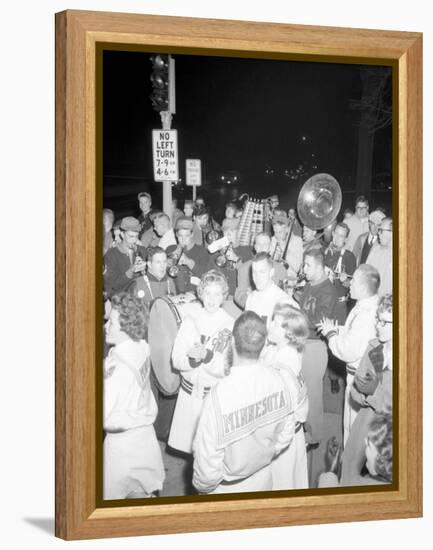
pixel 190 258
pixel 125 261
pixel 312 239
pixel 232 257
pixel 246 420
pixel 154 282
pixel 317 299
pixel 145 205
pixel 199 355
pixel 274 204
pixel 262 243
pixel 205 222
pixel 381 256
pixel 372 386
pixel 133 466
pixel 288 333
pixel 341 264
pixel 350 341
pixel 280 245
pixel 358 223
pixel 365 241
pixel 267 294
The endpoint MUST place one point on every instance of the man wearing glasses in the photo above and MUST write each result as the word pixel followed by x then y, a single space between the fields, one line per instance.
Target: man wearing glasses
pixel 358 223
pixel 372 387
pixel 380 256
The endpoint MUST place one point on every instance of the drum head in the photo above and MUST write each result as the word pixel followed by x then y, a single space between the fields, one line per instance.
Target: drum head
pixel 164 321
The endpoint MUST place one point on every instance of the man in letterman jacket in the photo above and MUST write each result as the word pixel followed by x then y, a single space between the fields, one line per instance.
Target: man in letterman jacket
pixel 246 421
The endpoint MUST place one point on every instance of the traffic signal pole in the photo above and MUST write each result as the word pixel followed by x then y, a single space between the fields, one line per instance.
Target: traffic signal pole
pixel 163 100
pixel 167 200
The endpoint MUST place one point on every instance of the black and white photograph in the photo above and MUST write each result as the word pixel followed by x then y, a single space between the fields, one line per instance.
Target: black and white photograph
pixel 247 275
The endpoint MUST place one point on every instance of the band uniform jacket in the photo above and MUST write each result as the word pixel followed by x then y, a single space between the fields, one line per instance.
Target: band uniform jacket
pixel 148 287
pixel 185 279
pixel 116 264
pixel 247 419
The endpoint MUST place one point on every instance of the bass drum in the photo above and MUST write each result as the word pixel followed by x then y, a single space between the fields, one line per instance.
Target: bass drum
pixel 164 322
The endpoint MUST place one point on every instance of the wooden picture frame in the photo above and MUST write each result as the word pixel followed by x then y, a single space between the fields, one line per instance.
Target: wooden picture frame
pixel 78 35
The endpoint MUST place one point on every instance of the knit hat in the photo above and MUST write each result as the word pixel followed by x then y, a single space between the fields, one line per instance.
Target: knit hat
pixel 130 224
pixel 184 223
pixel 376 217
pixel 230 224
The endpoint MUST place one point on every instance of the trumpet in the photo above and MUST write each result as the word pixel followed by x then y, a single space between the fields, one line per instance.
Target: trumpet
pixel 173 270
pixel 222 260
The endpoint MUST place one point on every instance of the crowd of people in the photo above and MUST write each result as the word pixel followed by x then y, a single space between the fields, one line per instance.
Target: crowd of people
pixel 257 328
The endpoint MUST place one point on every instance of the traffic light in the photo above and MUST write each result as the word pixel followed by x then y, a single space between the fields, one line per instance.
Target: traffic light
pixel 162 78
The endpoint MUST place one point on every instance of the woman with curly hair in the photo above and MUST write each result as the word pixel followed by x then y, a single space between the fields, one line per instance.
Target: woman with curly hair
pixel 199 354
pixel 288 333
pixel 133 466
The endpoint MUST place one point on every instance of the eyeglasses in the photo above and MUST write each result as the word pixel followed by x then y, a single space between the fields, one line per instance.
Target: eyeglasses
pixel 383 322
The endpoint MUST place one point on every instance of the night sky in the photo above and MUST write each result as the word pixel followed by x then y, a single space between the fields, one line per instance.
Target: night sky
pixel 246 115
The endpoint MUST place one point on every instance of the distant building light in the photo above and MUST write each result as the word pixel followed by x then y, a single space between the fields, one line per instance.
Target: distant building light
pixel 223 178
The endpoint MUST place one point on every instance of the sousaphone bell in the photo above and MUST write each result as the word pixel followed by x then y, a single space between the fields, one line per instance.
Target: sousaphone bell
pixel 319 201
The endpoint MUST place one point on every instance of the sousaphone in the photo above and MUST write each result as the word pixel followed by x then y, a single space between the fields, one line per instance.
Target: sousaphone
pixel 319 201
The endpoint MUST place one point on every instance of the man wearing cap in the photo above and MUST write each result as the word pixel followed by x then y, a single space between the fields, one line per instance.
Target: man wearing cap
pixel 125 261
pixel 245 286
pixel 191 258
pixel 358 223
pixel 380 256
pixel 365 242
pixel 145 205
pixel 293 257
pixel 163 229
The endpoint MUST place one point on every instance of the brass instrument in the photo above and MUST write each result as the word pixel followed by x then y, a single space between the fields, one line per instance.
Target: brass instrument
pixel 319 201
pixel 222 260
pixel 175 256
pixel 213 235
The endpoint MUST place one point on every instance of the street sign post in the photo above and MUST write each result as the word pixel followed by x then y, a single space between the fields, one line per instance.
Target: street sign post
pixel 193 175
